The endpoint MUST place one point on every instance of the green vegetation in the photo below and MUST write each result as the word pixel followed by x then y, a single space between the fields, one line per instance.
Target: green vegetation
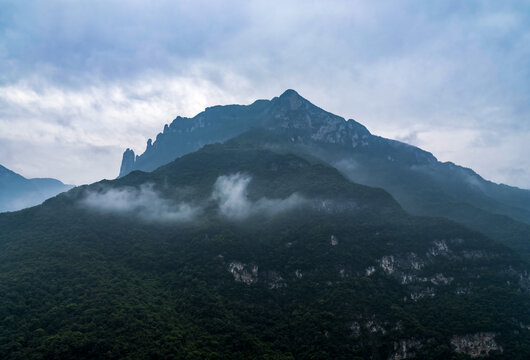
pixel 83 283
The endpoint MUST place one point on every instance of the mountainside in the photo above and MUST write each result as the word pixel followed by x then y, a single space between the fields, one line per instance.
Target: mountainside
pixel 17 192
pixel 236 251
pixel 420 183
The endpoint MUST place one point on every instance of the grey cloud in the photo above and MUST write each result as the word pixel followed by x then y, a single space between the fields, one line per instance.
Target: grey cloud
pixel 410 138
pixel 75 42
pixel 346 166
pixel 106 74
pixel 69 129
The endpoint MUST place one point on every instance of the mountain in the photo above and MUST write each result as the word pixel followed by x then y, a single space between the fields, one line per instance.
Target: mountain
pixel 17 192
pixel 421 184
pixel 185 135
pixel 237 251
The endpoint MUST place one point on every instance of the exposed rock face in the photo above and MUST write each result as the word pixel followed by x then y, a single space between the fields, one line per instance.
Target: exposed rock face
pixel 475 345
pixel 422 293
pixel 440 279
pixel 304 123
pixel 289 114
pixel 247 274
pixel 387 263
pixel 440 248
pixel 405 349
pixel 370 270
pixel 355 328
pixel 127 162
pixel 419 271
pixel 274 280
pixel 374 326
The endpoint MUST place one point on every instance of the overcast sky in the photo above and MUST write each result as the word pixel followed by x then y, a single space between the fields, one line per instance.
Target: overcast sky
pixel 80 81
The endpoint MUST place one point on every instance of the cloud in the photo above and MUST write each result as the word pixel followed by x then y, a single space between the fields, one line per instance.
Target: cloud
pixel 75 129
pixel 230 191
pixel 143 203
pixel 229 196
pixel 105 75
pixel 410 138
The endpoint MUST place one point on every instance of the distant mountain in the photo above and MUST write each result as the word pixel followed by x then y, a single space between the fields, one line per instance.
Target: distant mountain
pixel 17 192
pixel 420 183
pixel 240 252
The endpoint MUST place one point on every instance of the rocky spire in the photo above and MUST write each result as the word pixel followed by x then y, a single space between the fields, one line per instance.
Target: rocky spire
pixel 127 162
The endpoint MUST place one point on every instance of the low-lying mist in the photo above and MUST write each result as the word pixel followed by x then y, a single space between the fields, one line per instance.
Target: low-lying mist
pixel 144 203
pixel 229 197
pixel 231 194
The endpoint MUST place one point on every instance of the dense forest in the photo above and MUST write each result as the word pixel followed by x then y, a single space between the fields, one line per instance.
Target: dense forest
pixel 239 252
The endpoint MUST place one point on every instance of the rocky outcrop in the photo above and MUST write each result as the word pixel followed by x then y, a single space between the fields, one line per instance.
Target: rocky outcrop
pixel 405 349
pixel 288 115
pixel 355 328
pixel 245 273
pixel 127 162
pixel 475 345
pixel 387 263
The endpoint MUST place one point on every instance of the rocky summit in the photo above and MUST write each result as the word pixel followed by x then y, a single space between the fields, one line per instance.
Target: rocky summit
pixel 421 184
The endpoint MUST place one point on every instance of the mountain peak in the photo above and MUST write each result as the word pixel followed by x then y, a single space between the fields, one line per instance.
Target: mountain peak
pixel 291 99
pixel 289 93
pixel 17 192
pixel 5 172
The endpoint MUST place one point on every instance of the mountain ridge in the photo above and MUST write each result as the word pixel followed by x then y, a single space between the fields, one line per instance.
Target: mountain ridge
pixel 421 184
pixel 18 192
pixel 266 113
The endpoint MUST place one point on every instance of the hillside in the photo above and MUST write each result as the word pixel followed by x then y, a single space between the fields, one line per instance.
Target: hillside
pixel 236 251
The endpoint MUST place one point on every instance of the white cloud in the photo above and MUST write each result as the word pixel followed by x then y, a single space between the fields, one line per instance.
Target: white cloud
pixel 144 203
pixel 230 191
pixel 229 194
pixel 44 129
